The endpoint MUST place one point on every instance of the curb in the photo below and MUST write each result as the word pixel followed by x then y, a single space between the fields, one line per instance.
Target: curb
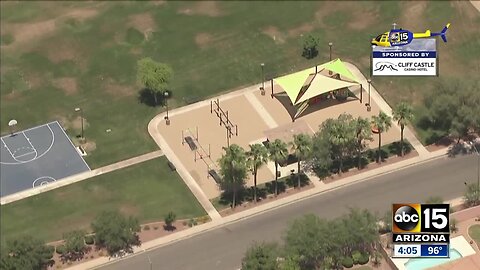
pixel 212 225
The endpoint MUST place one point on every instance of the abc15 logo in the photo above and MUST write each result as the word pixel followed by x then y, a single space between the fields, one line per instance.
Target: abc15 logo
pixel 420 218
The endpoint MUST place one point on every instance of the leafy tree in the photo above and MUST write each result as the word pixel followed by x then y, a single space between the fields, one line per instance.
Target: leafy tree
pixel 169 219
pixel 154 76
pixel 278 152
pixel 261 257
pixel 74 244
pixel 363 132
pixel 25 252
pixel 116 232
pixel 340 133
pixel 362 229
pixel 403 114
pixel 302 147
pixel 382 122
pixel 257 156
pixel 471 197
pixel 309 239
pixel 320 159
pixel 233 168
pixel 310 46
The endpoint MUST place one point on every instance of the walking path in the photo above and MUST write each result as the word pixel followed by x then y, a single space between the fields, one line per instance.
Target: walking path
pixel 271 123
pixel 182 171
pixel 220 222
pixel 80 177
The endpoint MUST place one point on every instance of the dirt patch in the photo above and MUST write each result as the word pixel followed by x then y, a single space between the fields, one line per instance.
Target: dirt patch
pixel 158 3
pixel 129 210
pixel 89 146
pixel 143 22
pixel 27 32
pixel 302 29
pixel 361 20
pixel 203 40
pixel 205 8
pixel 77 123
pixel 64 122
pixel 412 16
pixel 118 90
pixel 275 34
pixel 67 84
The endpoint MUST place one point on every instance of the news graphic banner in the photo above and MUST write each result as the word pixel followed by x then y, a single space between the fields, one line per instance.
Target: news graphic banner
pixel 419 58
pixel 421 230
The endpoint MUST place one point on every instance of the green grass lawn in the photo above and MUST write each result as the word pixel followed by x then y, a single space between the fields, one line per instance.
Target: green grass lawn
pixel 212 48
pixel 474 232
pixel 148 191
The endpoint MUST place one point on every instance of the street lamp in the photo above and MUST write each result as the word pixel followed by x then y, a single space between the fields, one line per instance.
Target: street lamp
pixel 262 65
pixel 478 169
pixel 330 44
pixel 165 94
pixel 81 116
pixel 369 106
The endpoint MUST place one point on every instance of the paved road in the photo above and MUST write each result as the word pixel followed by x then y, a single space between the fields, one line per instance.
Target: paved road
pixel 223 248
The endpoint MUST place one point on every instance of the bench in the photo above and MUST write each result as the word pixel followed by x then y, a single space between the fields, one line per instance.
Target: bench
pixel 172 167
pixel 215 176
pixel 191 143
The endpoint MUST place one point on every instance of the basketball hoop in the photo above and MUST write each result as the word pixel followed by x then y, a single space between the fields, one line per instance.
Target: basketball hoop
pixel 11 124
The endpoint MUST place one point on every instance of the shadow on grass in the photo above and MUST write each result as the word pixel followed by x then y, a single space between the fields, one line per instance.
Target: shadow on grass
pixel 147 97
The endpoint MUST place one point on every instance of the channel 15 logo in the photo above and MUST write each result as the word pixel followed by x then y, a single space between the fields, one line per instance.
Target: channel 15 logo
pixel 420 218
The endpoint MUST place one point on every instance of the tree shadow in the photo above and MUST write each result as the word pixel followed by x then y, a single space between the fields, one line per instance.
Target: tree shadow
pixel 169 228
pixel 292 180
pixel 394 148
pixel 147 97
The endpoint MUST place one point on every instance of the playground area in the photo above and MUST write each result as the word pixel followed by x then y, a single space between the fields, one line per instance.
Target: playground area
pixel 197 133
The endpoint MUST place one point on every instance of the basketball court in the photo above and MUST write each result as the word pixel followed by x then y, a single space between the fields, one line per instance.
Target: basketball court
pixel 36 157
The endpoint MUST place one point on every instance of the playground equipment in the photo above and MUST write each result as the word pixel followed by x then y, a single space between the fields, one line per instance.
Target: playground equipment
pixel 224 119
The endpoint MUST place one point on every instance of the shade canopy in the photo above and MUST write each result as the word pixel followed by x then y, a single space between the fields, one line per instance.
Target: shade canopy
pixel 311 82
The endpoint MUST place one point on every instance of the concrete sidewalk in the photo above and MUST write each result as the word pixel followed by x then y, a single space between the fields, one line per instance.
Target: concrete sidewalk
pixel 80 177
pixel 220 222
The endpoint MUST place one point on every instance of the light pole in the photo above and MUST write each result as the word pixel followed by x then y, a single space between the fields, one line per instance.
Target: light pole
pixel 262 65
pixel 369 99
pixel 81 116
pixel 165 94
pixel 330 44
pixel 478 170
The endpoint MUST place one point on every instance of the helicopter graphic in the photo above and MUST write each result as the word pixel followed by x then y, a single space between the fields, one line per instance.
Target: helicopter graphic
pixel 401 37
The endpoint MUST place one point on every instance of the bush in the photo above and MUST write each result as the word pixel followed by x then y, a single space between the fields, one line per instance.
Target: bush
pixel 146 228
pixel 155 227
pixel 51 251
pixel 356 256
pixel 347 262
pixel 453 225
pixel 192 222
pixel 363 259
pixel 60 249
pixel 203 219
pixel 89 239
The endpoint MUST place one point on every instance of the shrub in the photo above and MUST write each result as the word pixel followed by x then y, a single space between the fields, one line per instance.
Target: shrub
pixel 51 251
pixel 347 262
pixel 101 253
pixel 170 218
pixel 60 249
pixel 184 223
pixel 203 219
pixel 363 259
pixel 192 222
pixel 356 256
pixel 146 228
pixel 155 227
pixel 453 225
pixel 89 239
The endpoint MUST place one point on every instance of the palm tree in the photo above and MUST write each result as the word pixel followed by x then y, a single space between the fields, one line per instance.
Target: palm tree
pixel 257 156
pixel 278 152
pixel 403 113
pixel 382 122
pixel 341 137
pixel 233 168
pixel 302 147
pixel 363 131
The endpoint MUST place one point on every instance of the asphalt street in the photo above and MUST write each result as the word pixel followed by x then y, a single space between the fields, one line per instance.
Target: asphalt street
pixel 223 248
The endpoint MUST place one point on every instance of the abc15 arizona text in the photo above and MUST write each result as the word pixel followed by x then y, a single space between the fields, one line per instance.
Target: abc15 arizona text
pixel 421 223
